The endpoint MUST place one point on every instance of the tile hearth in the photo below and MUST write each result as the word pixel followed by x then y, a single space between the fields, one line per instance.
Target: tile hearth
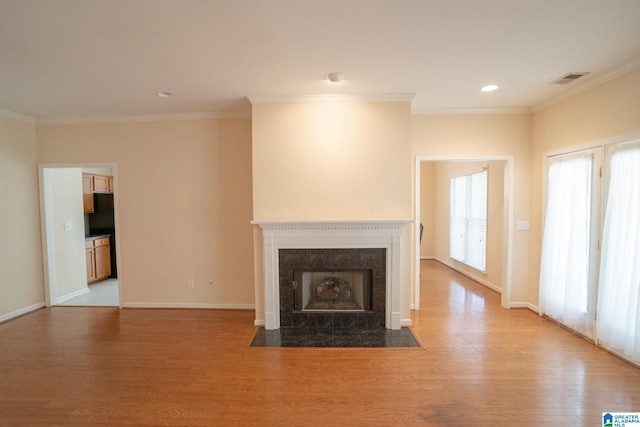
pixel 334 337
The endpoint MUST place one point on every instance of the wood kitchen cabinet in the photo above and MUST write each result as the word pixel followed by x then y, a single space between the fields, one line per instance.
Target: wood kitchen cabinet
pixel 93 183
pixel 90 255
pixel 98 258
pixel 87 192
pixel 102 184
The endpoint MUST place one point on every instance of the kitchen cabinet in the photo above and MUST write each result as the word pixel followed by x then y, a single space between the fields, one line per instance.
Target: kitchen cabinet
pixel 87 192
pixel 102 184
pixel 93 183
pixel 98 258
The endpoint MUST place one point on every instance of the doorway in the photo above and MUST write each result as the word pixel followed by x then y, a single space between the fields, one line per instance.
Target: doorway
pixel 505 255
pixel 67 233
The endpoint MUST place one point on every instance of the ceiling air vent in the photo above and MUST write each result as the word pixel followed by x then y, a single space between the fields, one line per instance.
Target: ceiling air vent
pixel 571 77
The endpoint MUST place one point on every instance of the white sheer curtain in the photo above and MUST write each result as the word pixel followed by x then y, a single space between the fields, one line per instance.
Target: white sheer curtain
pixel 618 323
pixel 564 269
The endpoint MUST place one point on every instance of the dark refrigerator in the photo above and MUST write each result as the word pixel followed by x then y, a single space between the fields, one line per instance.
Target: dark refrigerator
pixel 101 221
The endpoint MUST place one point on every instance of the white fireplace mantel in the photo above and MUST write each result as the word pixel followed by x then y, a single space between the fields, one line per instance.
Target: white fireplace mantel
pixel 348 234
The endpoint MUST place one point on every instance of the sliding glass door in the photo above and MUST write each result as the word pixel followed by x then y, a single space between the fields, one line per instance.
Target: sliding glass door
pixel 618 324
pixel 566 272
pixel 590 274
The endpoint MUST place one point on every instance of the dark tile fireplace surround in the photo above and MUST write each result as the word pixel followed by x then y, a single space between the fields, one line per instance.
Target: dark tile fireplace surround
pixel 292 260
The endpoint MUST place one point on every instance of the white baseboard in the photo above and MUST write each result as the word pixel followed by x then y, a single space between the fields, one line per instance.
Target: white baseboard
pixel 258 322
pixel 427 257
pixel 527 305
pixel 188 305
pixel 519 305
pixel 71 295
pixel 20 312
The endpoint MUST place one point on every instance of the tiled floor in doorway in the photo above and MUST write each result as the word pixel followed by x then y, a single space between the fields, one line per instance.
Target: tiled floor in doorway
pixel 103 293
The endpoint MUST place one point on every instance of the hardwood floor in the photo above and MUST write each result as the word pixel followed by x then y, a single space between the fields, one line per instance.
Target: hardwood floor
pixel 481 365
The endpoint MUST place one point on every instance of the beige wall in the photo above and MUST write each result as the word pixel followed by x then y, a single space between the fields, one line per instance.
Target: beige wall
pixel 64 202
pixel 495 222
pixel 611 110
pixel 323 161
pixel 483 136
pixel 183 191
pixel 21 280
pixel 99 171
pixel 427 209
pixel 332 161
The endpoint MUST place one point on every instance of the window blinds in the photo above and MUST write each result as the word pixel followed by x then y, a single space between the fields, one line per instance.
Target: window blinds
pixel 468 219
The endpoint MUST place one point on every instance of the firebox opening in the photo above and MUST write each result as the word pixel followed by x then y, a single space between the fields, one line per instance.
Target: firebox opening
pixel 335 290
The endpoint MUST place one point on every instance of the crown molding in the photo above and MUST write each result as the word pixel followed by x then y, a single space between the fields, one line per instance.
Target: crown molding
pixel 579 88
pixel 468 111
pixel 17 116
pixel 289 99
pixel 143 118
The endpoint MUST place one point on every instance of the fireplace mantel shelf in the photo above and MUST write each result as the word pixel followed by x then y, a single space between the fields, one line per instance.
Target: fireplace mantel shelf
pixel 329 234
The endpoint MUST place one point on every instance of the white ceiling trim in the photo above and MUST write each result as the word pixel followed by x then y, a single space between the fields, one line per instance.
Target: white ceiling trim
pixel 17 116
pixel 290 99
pixel 143 118
pixel 579 88
pixel 468 111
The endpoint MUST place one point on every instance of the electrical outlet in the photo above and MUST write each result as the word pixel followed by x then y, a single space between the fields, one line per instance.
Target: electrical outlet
pixel 190 284
pixel 211 283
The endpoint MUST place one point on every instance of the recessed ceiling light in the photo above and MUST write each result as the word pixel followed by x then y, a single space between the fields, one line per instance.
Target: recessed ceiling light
pixel 335 77
pixel 489 88
pixel 165 94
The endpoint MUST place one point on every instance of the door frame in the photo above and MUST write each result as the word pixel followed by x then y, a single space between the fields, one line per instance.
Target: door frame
pixel 508 222
pixel 46 225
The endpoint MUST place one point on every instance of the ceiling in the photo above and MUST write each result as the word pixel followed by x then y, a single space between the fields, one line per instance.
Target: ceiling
pixel 98 58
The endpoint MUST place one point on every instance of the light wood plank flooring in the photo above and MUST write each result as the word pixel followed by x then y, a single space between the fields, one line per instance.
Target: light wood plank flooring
pixel 481 365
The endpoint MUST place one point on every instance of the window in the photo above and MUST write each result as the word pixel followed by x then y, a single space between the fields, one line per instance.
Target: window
pixel 618 322
pixel 566 280
pixel 579 277
pixel 468 219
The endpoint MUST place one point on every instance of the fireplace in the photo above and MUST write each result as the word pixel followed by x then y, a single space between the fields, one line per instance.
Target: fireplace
pixel 332 287
pixel 352 246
